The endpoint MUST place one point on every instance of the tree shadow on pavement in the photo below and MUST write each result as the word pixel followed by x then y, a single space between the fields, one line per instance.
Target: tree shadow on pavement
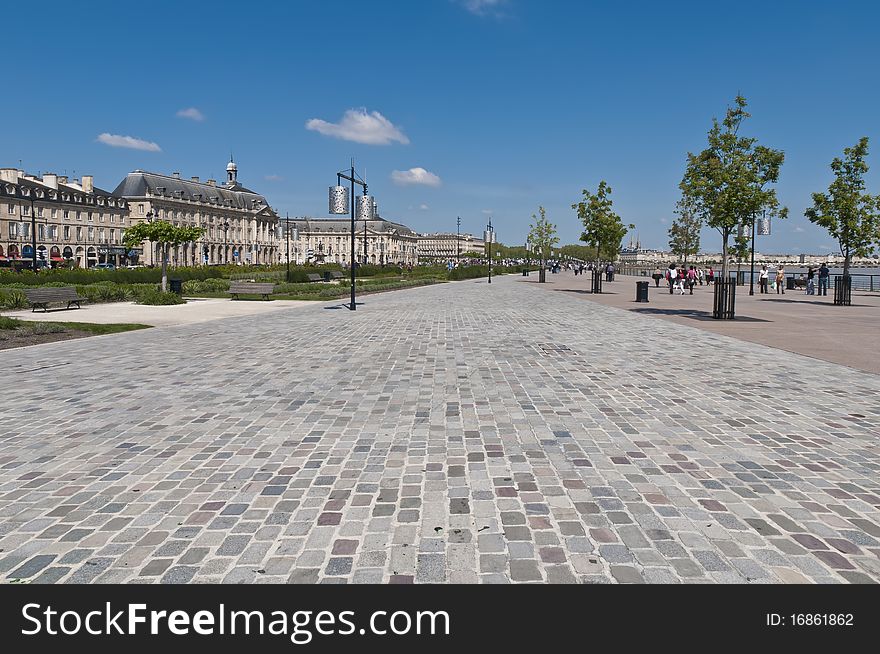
pixel 696 314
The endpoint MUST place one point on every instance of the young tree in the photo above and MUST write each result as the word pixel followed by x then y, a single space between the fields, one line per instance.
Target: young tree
pixel 684 234
pixel 728 183
pixel 542 237
pixel 849 214
pixel 165 235
pixel 603 229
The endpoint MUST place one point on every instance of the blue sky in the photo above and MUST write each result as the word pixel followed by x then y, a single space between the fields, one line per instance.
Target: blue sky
pixel 479 105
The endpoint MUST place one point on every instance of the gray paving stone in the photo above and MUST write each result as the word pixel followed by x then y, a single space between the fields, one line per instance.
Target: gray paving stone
pixel 313 467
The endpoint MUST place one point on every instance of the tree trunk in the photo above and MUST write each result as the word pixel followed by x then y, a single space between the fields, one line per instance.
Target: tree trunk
pixel 164 268
pixel 726 236
pixel 846 261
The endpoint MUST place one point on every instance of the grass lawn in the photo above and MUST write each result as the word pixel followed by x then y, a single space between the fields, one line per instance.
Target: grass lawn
pixel 19 333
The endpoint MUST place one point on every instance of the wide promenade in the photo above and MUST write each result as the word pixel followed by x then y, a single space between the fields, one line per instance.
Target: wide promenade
pixel 455 433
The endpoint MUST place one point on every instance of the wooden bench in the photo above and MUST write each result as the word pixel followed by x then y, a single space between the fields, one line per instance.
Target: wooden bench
pixel 315 277
pixel 335 274
pixel 251 288
pixel 41 297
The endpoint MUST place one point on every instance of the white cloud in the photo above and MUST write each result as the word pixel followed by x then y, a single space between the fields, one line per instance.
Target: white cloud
pixel 117 141
pixel 663 221
pixel 488 212
pixel 424 207
pixel 274 178
pixel 799 229
pixel 361 127
pixel 482 7
pixel 192 113
pixel 415 177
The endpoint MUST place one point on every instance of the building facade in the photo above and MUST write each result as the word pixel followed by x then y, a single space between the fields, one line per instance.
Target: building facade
pixel 240 226
pixel 448 246
pixel 325 240
pixel 75 223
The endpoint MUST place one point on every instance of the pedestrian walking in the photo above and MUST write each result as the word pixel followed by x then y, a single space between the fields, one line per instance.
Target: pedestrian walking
pixel 692 278
pixel 780 280
pixel 700 275
pixel 671 275
pixel 657 277
pixel 764 279
pixel 811 281
pixel 710 276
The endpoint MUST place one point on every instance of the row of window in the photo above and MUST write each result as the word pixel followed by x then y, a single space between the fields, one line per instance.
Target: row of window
pixel 66 214
pixel 50 233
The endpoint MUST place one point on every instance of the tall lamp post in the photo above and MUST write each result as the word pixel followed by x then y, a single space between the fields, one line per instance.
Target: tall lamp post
pixel 458 241
pixel 339 202
pixel 150 216
pixel 33 230
pixel 225 227
pixel 490 236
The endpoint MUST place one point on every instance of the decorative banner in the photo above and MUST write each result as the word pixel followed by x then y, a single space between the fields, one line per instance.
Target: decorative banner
pixel 364 208
pixel 338 200
pixel 763 227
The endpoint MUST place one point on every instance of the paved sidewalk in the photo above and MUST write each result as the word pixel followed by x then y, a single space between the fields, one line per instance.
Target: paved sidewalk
pixel 792 321
pixel 196 310
pixel 454 433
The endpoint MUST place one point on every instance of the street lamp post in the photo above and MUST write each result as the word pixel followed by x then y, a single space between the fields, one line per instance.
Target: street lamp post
pixel 752 277
pixel 225 227
pixel 33 231
pixel 350 176
pixel 287 232
pixel 458 241
pixel 490 235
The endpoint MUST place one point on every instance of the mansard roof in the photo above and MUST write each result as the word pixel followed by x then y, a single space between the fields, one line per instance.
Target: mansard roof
pixel 140 184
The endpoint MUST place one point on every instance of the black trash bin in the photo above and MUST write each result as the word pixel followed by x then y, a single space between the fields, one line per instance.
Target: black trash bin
pixel 789 284
pixel 326 275
pixel 641 291
pixel 175 286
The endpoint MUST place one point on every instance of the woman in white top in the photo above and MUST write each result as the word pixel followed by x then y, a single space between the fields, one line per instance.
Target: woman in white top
pixel 764 279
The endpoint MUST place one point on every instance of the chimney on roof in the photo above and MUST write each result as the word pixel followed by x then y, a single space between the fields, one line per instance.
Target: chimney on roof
pixel 88 183
pixel 212 182
pixel 51 180
pixel 62 179
pixel 194 178
pixel 176 174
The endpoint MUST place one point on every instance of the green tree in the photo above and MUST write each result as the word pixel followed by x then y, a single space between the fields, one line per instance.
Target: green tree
pixel 729 183
pixel 846 211
pixel 165 235
pixel 542 237
pixel 684 234
pixel 603 229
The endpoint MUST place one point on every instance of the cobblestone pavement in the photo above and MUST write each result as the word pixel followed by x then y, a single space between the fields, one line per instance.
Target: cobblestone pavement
pixel 457 433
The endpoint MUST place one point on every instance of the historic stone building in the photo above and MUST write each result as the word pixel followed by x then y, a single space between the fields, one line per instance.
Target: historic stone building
pixel 329 241
pixel 75 222
pixel 240 226
pixel 448 246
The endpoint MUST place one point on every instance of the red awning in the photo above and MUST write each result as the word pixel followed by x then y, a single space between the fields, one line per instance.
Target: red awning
pixel 57 258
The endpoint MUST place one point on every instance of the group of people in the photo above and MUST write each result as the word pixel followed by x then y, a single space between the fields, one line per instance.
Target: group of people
pixel 808 281
pixel 681 278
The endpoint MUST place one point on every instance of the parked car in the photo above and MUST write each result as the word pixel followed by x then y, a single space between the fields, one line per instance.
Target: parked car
pixel 104 266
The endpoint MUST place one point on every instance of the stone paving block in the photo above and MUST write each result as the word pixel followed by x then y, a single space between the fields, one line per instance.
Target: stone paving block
pixel 331 469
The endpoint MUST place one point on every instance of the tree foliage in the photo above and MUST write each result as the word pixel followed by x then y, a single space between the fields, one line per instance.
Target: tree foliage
pixel 684 233
pixel 165 235
pixel 848 213
pixel 603 229
pixel 542 236
pixel 730 182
